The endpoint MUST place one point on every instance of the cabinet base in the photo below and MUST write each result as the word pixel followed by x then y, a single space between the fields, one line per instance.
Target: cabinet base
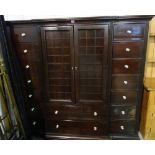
pixel 75 137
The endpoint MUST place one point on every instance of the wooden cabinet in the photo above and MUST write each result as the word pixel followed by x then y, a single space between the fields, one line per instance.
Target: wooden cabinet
pixel 82 77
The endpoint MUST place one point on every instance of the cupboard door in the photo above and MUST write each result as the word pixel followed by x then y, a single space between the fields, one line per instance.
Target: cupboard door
pixel 57 63
pixel 91 45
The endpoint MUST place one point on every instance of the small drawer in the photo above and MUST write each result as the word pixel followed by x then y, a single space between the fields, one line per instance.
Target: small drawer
pixel 128 49
pixel 123 127
pixel 24 34
pixel 123 112
pixel 126 66
pixel 94 111
pixel 76 127
pixel 124 97
pixel 63 111
pixel 125 82
pixel 132 31
pixel 27 51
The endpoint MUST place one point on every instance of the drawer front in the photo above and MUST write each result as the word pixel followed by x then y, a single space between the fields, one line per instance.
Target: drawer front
pixel 63 111
pixel 95 111
pixel 76 127
pixel 123 127
pixel 124 97
pixel 128 31
pixel 24 34
pixel 128 49
pixel 126 66
pixel 123 112
pixel 125 82
pixel 27 51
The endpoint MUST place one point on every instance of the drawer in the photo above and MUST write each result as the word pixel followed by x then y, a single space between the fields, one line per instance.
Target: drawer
pixel 63 111
pixel 76 127
pixel 123 112
pixel 128 49
pixel 24 34
pixel 28 51
pixel 95 111
pixel 124 97
pixel 125 82
pixel 128 31
pixel 127 66
pixel 123 127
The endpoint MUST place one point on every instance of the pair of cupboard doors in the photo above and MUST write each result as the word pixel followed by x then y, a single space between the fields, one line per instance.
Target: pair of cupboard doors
pixel 75 62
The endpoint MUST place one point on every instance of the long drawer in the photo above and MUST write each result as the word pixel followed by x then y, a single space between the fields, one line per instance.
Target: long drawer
pixel 128 49
pixel 76 127
pixel 84 112
pixel 125 82
pixel 123 112
pixel 127 66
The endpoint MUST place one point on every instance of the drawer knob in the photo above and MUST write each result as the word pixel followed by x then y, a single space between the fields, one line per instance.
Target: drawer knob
pixel 28 81
pixel 125 82
pixel 122 127
pixel 23 34
pixel 127 50
pixel 27 66
pixel 30 95
pixel 123 112
pixel 124 97
pixel 129 31
pixel 76 68
pixel 126 66
pixel 57 126
pixel 95 128
pixel 32 109
pixel 34 123
pixel 95 113
pixel 25 51
pixel 56 112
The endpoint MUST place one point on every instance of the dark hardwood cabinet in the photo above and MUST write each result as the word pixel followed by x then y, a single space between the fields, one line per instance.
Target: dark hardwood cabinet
pixel 82 77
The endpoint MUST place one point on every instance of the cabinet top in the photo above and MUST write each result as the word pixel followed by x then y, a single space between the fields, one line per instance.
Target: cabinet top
pixel 83 19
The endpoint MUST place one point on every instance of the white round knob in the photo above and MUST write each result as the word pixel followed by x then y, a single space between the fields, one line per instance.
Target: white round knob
pixel 28 81
pixel 123 112
pixel 23 34
pixel 32 109
pixel 124 97
pixel 127 50
pixel 30 95
pixel 56 112
pixel 122 127
pixel 95 113
pixel 27 66
pixel 125 82
pixel 34 123
pixel 95 128
pixel 129 31
pixel 126 66
pixel 25 51
pixel 57 126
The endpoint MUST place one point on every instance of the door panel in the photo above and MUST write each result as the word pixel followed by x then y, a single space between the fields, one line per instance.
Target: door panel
pixel 91 43
pixel 58 62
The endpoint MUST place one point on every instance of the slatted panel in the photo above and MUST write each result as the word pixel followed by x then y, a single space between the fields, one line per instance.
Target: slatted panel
pixel 91 59
pixel 90 63
pixel 58 61
pixel 150 55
